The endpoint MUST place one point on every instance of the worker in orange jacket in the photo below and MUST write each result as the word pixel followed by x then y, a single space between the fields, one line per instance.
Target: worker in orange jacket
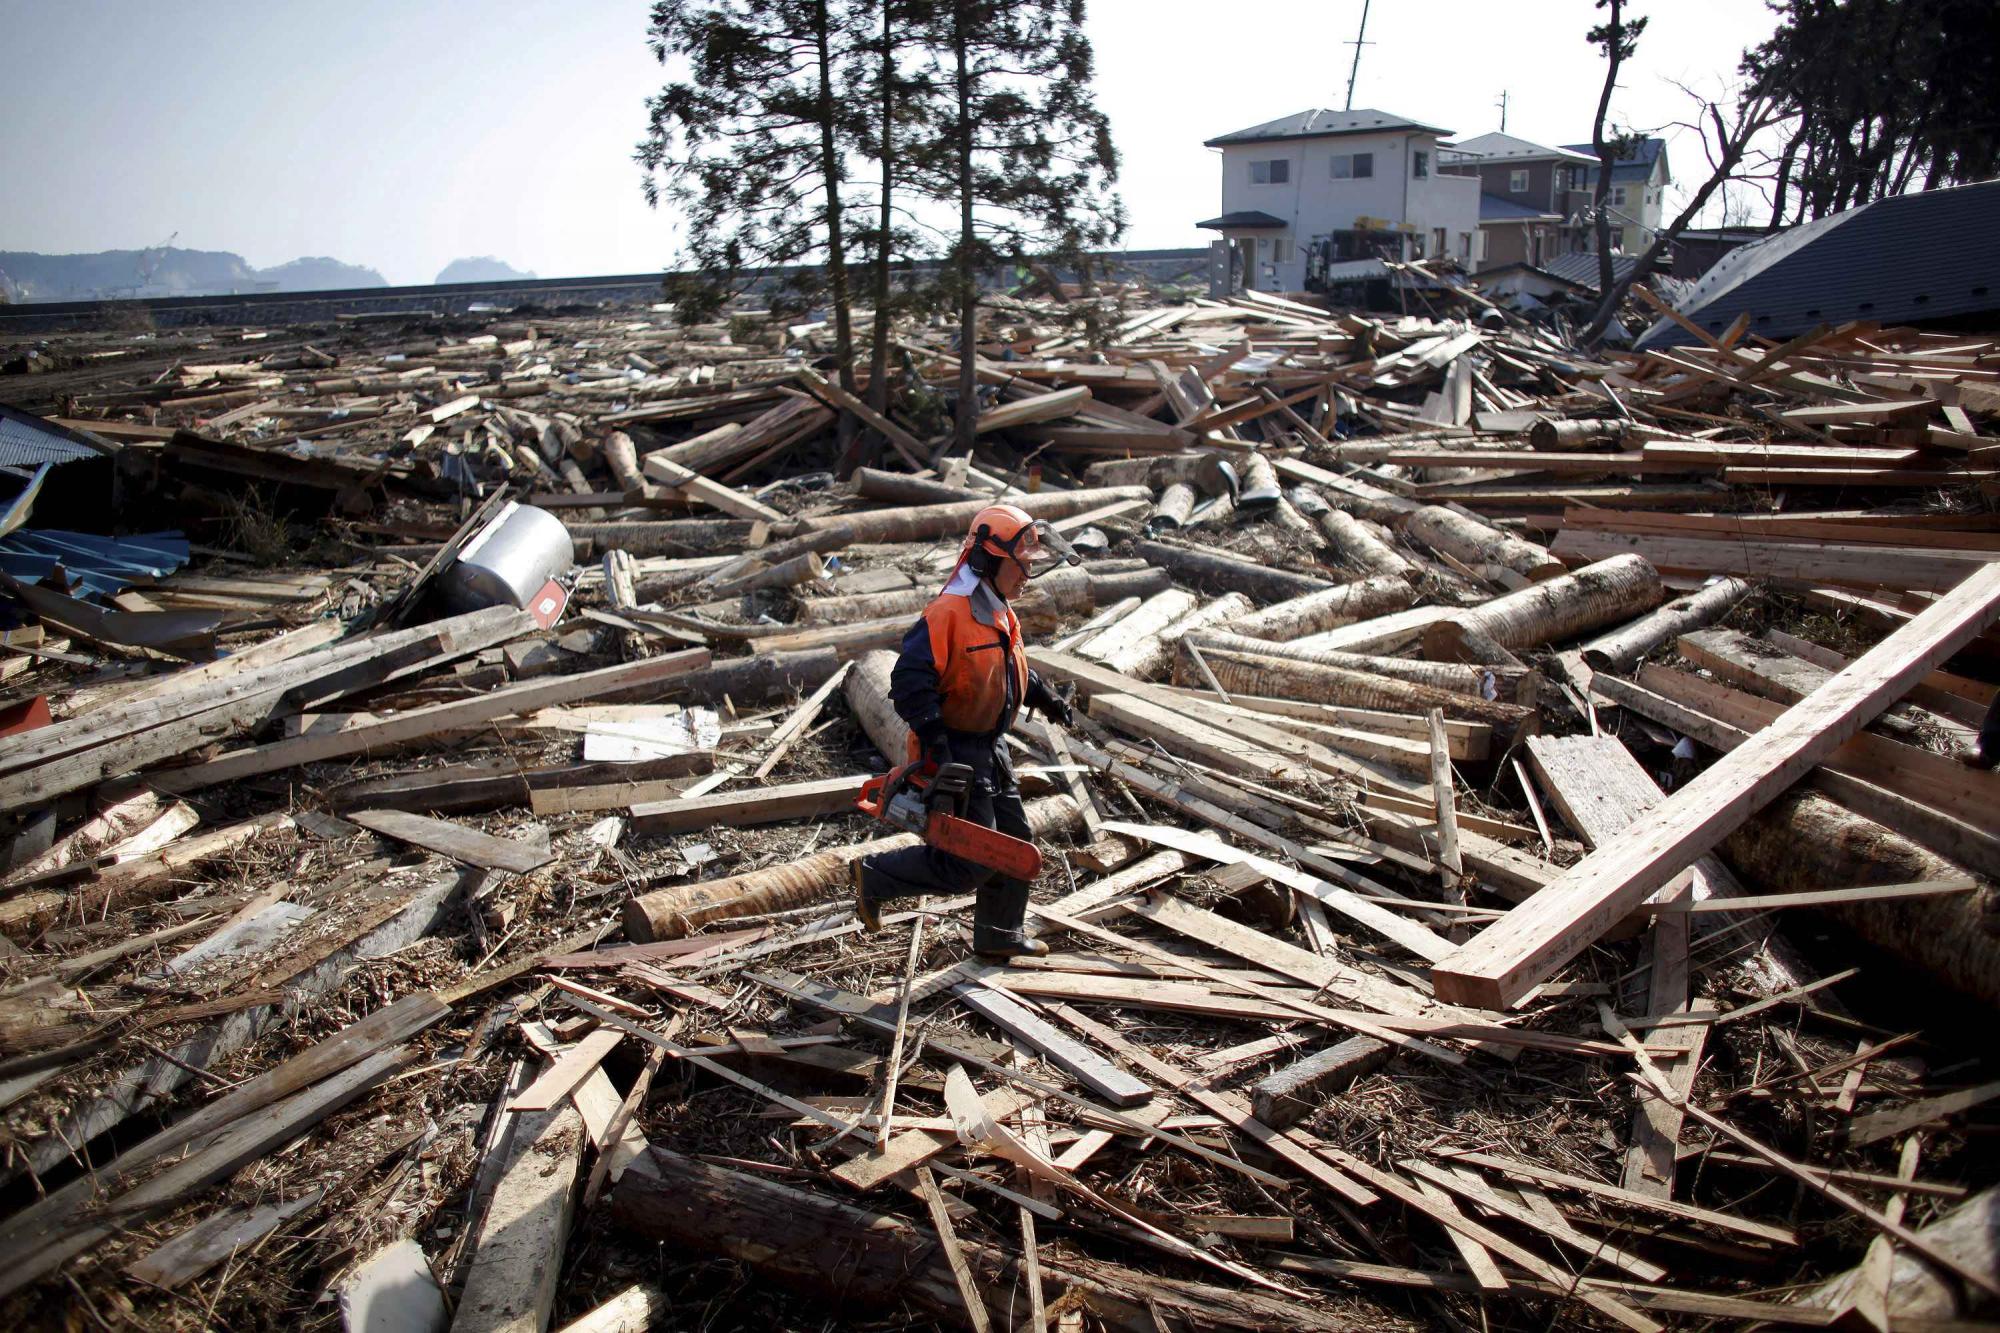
pixel 959 682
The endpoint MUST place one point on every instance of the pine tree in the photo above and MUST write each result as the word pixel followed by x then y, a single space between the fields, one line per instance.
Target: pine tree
pixel 752 145
pixel 1015 144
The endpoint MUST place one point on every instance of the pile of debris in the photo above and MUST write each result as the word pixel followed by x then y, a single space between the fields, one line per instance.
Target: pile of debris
pixel 426 909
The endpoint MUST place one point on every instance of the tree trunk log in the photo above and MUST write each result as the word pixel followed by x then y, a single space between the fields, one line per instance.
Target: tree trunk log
pixel 679 536
pixel 1479 681
pixel 1917 1289
pixel 1313 682
pixel 672 913
pixel 623 459
pixel 1209 614
pixel 1804 841
pixel 1607 432
pixel 854 1259
pixel 1475 543
pixel 1137 636
pixel 901 488
pixel 1222 573
pixel 759 678
pixel 1171 510
pixel 1562 608
pixel 1621 649
pixel 1357 546
pixel 929 522
pixel 867 690
pixel 1259 488
pixel 1327 609
pixel 804 568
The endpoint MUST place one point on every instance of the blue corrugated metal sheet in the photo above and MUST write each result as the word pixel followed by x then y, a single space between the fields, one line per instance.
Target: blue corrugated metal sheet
pixel 102 565
pixel 28 441
pixel 1904 260
pixel 1581 268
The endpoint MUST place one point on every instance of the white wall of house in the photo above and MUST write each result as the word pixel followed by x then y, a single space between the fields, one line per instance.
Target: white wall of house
pixel 1314 202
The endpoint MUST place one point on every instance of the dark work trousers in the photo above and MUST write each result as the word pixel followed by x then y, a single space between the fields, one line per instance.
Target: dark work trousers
pixel 995 802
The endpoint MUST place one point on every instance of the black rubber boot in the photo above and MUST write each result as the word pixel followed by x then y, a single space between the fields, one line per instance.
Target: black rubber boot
pixel 866 909
pixel 997 917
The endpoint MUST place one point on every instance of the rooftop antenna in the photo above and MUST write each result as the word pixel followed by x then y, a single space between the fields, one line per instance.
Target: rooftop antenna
pixel 1502 104
pixel 1360 40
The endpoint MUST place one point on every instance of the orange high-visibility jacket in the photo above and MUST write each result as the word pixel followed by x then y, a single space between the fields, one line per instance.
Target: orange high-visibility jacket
pixel 963 663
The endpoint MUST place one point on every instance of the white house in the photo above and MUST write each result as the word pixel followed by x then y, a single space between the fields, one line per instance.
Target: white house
pixel 1321 188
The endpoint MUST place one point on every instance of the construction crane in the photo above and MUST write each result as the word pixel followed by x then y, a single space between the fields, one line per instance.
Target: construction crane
pixel 1360 40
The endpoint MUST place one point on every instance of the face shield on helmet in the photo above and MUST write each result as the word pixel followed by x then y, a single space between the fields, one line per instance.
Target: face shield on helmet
pixel 1005 532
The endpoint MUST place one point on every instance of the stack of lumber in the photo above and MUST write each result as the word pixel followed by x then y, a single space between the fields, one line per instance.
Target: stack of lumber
pixel 1487 883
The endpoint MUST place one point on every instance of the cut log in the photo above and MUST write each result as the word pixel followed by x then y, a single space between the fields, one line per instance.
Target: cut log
pixel 680 536
pixel 740 809
pixel 1601 432
pixel 1172 509
pixel 622 457
pixel 1222 573
pixel 1136 638
pixel 1220 610
pixel 1511 957
pixel 868 698
pixel 1358 546
pixel 1288 1096
pixel 929 522
pixel 1917 1291
pixel 667 914
pixel 903 489
pixel 770 674
pixel 1601 594
pixel 1622 648
pixel 1476 680
pixel 1278 677
pixel 1474 543
pixel 1326 609
pixel 633 1310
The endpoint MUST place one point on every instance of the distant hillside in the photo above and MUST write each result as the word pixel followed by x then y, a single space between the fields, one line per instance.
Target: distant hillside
pixel 113 274
pixel 485 268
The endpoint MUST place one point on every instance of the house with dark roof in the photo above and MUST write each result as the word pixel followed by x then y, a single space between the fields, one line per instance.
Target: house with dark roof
pixel 1316 189
pixel 1921 259
pixel 1639 181
pixel 1528 197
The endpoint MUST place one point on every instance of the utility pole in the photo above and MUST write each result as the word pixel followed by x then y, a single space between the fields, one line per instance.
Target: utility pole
pixel 1502 104
pixel 1360 40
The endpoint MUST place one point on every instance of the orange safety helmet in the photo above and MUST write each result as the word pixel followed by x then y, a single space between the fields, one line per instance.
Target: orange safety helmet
pixel 1005 531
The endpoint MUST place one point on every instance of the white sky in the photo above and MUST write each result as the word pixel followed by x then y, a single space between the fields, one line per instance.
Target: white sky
pixel 403 135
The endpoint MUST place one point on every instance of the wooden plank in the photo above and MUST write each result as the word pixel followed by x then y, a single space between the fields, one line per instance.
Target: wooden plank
pixel 1535 1171
pixel 214 1239
pixel 916 1146
pixel 1469 1186
pixel 418 722
pixel 570 1069
pixel 1879 1125
pixel 1507 959
pixel 510 1282
pixel 1478 1259
pixel 1857 566
pixel 752 805
pixel 714 494
pixel 1090 1069
pixel 467 845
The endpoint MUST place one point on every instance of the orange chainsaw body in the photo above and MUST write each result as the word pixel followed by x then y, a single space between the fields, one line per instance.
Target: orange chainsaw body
pixel 929 800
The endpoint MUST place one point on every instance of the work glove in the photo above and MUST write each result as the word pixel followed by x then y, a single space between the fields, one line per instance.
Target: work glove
pixel 1048 703
pixel 935 743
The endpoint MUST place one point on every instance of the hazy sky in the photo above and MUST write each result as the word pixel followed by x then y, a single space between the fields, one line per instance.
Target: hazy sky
pixel 403 134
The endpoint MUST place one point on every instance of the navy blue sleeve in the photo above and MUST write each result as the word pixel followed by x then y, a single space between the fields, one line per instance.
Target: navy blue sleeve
pixel 913 683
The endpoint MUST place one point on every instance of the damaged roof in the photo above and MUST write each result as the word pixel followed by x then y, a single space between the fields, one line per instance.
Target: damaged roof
pixel 1906 260
pixel 1498 147
pixel 1318 123
pixel 28 441
pixel 1495 208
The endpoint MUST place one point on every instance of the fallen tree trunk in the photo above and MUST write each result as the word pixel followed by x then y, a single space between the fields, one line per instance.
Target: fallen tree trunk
pixel 1314 682
pixel 929 522
pixel 671 913
pixel 1622 648
pixel 759 678
pixel 1805 841
pixel 1605 432
pixel 1258 490
pixel 1356 545
pixel 1222 573
pixel 1605 593
pixel 1474 543
pixel 867 690
pixel 676 536
pixel 860 1260
pixel 1172 509
pixel 902 488
pixel 737 575
pixel 805 567
pixel 1149 665
pixel 623 458
pixel 1137 636
pixel 1476 680
pixel 1916 1289
pixel 1326 609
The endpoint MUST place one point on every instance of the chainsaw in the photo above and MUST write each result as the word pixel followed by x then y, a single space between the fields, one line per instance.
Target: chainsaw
pixel 930 800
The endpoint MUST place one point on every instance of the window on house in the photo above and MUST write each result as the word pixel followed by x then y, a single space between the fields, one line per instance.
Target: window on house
pixel 1353 166
pixel 1618 196
pixel 1281 251
pixel 1517 181
pixel 1465 245
pixel 1438 242
pixel 1420 164
pixel 1274 172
